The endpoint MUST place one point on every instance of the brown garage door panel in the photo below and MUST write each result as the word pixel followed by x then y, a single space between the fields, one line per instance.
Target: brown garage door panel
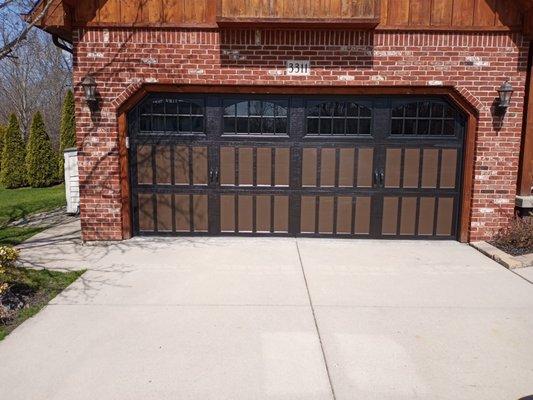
pixel 146 218
pixel 173 213
pixel 335 215
pixel 254 214
pixel 345 167
pixel 166 164
pixel 439 168
pixel 254 166
pixel 418 216
pixel 377 167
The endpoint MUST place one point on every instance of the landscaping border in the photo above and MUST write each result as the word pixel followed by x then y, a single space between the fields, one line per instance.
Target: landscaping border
pixel 500 256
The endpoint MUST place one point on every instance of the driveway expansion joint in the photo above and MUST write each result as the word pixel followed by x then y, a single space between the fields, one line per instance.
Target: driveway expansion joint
pixel 316 323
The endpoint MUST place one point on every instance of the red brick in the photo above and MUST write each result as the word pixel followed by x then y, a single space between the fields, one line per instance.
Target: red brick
pixel 401 59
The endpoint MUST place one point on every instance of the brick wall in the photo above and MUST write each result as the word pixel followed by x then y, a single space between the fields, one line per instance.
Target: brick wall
pixel 122 60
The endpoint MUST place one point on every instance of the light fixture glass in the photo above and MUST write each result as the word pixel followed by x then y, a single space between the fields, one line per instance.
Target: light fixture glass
pixel 505 93
pixel 89 87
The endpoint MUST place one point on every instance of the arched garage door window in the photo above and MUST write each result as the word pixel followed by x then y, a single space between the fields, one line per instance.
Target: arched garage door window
pixel 255 117
pixel 424 118
pixel 338 118
pixel 171 115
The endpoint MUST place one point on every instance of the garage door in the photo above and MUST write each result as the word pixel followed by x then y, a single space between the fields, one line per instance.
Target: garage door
pixel 376 167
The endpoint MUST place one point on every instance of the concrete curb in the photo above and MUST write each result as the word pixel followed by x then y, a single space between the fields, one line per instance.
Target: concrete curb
pixel 507 260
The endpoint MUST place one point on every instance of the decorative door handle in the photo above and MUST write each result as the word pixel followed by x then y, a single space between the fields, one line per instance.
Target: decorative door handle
pixel 379 178
pixel 217 176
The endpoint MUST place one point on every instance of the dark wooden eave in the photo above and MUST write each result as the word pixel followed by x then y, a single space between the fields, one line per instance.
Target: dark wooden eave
pixel 57 20
pixel 63 16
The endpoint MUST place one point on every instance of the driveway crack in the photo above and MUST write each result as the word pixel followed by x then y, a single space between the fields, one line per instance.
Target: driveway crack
pixel 316 322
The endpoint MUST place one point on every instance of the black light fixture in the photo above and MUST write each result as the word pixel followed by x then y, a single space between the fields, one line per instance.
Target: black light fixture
pixel 89 87
pixel 505 93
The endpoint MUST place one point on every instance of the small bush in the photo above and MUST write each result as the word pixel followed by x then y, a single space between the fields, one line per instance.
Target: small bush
pixel 8 255
pixel 41 161
pixel 2 133
pixel 13 173
pixel 517 238
pixel 3 284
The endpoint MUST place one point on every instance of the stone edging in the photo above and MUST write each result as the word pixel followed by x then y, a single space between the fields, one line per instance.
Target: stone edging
pixel 500 256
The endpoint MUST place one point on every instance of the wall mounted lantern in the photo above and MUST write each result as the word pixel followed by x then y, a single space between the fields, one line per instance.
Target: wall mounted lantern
pixel 89 88
pixel 505 93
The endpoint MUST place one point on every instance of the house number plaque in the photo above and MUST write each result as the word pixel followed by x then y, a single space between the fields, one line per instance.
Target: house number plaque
pixel 298 67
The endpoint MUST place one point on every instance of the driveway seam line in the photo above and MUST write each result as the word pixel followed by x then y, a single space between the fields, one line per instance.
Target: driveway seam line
pixel 523 277
pixel 316 322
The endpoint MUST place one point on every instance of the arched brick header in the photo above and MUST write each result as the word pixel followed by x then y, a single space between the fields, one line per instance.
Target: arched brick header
pixel 136 91
pixel 470 98
pixel 126 94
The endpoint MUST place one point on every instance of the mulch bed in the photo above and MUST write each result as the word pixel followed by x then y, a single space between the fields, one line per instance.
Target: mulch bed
pixel 514 251
pixel 26 291
pixel 516 238
pixel 17 298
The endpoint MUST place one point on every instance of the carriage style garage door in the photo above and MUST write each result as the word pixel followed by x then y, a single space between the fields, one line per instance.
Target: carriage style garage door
pixel 376 167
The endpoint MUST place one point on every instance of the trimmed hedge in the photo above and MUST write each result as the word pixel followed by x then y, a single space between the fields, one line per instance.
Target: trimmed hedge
pixel 67 137
pixel 13 174
pixel 68 127
pixel 41 161
pixel 2 133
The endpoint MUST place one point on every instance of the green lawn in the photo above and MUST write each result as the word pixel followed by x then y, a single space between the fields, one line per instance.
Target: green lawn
pixel 37 287
pixel 18 203
pixel 11 236
pixel 40 286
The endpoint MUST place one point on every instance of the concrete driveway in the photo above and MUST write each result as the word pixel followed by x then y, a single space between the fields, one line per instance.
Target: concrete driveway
pixel 235 318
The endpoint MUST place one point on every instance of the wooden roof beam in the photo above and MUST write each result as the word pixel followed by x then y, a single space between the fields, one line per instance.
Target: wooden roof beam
pixel 57 20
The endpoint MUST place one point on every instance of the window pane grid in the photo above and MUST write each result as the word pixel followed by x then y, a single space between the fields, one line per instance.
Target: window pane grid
pixel 338 119
pixel 172 116
pixel 423 118
pixel 255 117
